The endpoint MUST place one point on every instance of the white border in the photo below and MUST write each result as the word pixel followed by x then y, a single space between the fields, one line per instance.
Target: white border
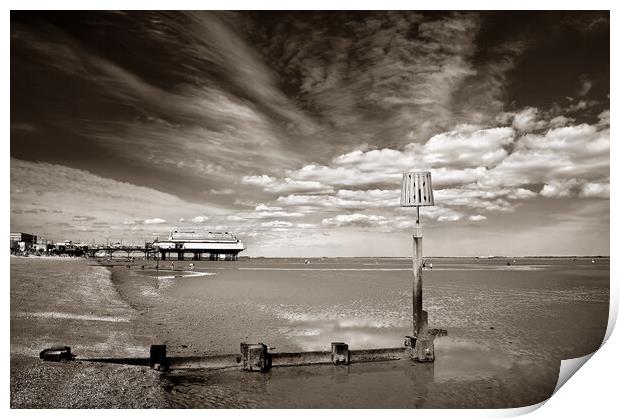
pixel 592 393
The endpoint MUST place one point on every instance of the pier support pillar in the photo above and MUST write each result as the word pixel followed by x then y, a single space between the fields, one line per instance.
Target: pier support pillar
pixel 340 353
pixel 255 357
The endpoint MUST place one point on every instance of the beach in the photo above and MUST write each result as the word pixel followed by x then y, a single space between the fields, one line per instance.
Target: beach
pixel 508 328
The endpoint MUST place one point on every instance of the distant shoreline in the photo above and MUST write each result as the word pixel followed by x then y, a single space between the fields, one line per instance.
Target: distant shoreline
pixel 242 258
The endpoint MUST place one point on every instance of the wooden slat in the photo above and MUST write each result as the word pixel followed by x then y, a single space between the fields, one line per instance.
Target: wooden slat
pixel 416 190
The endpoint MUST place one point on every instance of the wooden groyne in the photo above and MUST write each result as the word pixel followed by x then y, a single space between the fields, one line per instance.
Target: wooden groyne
pixel 252 357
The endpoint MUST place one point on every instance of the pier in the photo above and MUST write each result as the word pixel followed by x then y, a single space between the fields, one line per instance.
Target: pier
pixel 180 245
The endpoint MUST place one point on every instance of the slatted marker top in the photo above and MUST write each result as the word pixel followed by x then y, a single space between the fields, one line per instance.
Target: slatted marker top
pixel 416 190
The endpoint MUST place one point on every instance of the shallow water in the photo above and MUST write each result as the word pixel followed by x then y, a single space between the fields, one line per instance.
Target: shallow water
pixel 508 326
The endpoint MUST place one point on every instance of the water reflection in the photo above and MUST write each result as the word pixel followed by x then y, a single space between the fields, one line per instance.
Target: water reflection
pixel 460 359
pixel 422 376
pixel 316 335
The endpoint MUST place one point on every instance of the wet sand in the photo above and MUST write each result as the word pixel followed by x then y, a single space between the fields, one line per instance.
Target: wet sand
pixel 509 327
pixel 66 302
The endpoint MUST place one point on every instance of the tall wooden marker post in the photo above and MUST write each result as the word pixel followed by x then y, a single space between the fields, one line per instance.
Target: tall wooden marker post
pixel 417 191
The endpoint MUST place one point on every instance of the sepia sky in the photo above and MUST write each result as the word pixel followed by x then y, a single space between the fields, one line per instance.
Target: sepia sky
pixel 291 130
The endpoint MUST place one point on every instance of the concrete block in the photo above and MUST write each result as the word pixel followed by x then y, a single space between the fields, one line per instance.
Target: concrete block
pixel 255 357
pixel 340 353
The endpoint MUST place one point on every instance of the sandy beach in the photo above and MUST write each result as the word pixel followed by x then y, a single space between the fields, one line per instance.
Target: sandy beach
pixel 498 353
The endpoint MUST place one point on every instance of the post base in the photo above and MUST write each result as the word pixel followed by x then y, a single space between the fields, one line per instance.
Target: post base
pixel 424 350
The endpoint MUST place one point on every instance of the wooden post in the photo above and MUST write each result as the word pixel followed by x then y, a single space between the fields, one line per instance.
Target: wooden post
pixel 340 353
pixel 255 357
pixel 417 280
pixel 157 358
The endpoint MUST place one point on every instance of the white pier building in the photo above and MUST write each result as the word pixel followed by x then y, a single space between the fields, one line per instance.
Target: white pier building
pixel 217 245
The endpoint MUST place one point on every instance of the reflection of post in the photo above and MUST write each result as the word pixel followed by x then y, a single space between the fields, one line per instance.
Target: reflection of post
pixel 417 280
pixel 422 377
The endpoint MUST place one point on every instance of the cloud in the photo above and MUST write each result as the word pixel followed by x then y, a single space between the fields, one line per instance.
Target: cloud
pixel 595 190
pixel 226 191
pixel 271 184
pixel 264 214
pixel 474 169
pixel 473 196
pixel 375 70
pixel 442 214
pixel 306 225
pixel 560 121
pixel 62 190
pixel 343 199
pixel 195 130
pixel 571 152
pixel 526 120
pixel 604 118
pixel 354 220
pixel 575 188
pixel 277 223
pixel 200 219
pixel 494 157
pixel 154 221
pixel 586 85
pixel 83 218
pixel 467 147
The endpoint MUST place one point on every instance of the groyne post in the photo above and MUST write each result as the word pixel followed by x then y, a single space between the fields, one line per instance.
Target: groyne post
pixel 255 357
pixel 157 358
pixel 340 353
pixel 417 278
pixel 417 191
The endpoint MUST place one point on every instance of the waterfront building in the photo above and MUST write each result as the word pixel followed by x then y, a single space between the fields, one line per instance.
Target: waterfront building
pixel 218 245
pixel 22 241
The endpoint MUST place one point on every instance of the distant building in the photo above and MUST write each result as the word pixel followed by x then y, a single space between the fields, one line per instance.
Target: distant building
pixel 22 241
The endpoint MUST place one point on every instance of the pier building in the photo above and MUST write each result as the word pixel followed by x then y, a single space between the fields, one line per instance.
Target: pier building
pixel 200 244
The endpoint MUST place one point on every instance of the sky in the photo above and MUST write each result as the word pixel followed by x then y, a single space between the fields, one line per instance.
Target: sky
pixel 292 129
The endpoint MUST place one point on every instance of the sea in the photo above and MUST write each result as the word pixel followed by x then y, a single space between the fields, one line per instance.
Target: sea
pixel 509 322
